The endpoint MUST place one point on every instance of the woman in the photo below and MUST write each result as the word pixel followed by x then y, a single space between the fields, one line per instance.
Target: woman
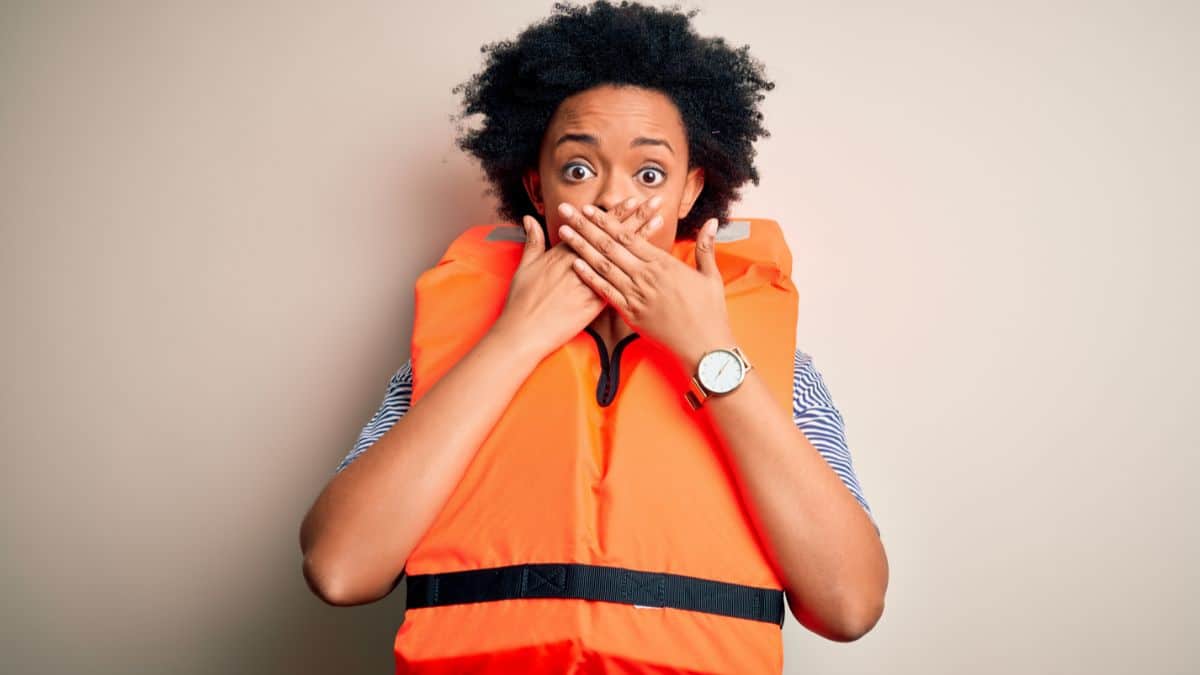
pixel 628 136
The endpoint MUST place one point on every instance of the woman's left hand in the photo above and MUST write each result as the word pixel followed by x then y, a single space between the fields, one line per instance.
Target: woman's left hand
pixel 657 294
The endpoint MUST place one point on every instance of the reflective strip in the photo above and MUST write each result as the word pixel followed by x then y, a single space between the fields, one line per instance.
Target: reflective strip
pixel 734 230
pixel 506 233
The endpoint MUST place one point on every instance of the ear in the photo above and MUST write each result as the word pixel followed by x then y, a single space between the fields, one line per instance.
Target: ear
pixel 691 190
pixel 532 180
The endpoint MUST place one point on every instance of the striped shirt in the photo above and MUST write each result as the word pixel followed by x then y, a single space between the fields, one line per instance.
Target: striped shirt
pixel 813 413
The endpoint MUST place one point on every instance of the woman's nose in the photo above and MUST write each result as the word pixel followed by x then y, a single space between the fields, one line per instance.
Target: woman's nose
pixel 609 199
pixel 607 204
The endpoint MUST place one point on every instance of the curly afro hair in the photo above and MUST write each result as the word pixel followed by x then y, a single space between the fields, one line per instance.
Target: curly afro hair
pixel 716 88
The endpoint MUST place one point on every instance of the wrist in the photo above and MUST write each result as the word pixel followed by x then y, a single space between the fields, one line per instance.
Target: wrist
pixel 513 344
pixel 691 352
pixel 716 366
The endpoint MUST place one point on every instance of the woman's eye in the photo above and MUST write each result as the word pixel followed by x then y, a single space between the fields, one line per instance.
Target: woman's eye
pixel 653 171
pixel 577 172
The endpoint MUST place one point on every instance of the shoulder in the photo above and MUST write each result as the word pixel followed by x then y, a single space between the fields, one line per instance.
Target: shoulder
pixel 814 413
pixel 402 376
pixel 809 390
pixel 399 387
pixel 396 401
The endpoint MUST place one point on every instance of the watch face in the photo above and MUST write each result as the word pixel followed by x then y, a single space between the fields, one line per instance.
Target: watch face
pixel 719 371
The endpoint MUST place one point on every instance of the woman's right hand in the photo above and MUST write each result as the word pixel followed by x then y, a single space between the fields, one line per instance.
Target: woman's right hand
pixel 548 304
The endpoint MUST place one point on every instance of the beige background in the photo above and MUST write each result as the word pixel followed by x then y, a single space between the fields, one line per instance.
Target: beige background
pixel 212 220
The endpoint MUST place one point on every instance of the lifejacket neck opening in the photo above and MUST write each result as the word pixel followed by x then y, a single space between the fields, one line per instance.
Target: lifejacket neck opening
pixel 610 367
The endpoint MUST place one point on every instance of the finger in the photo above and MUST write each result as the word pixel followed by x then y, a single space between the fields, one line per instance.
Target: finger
pixel 624 247
pixel 599 284
pixel 625 216
pixel 597 246
pixel 639 219
pixel 620 211
pixel 534 244
pixel 602 218
pixel 596 260
pixel 646 231
pixel 706 255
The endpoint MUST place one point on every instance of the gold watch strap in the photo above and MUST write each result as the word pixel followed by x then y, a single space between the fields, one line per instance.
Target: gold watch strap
pixel 696 394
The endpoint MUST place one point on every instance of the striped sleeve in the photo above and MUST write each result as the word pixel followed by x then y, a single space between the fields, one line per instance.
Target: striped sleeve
pixel 814 413
pixel 395 403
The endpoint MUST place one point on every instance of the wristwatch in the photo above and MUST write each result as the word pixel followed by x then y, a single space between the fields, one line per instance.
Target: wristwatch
pixel 719 372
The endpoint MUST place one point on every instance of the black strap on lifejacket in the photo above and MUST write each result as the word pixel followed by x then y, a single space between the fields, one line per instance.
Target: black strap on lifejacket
pixel 596 582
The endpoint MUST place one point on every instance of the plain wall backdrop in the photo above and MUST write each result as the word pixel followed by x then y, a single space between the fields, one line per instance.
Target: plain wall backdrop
pixel 212 218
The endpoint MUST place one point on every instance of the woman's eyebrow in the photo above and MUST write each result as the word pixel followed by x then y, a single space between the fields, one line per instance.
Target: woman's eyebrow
pixel 591 140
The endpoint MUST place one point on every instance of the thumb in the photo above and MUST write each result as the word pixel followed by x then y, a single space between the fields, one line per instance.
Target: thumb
pixel 534 245
pixel 706 256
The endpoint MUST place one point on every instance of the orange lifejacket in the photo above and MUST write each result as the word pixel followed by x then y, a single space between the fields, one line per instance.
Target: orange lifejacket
pixel 599 527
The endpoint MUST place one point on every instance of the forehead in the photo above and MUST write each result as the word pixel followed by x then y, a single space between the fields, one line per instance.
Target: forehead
pixel 620 112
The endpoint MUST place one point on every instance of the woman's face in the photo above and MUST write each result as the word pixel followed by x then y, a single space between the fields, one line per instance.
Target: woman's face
pixel 609 143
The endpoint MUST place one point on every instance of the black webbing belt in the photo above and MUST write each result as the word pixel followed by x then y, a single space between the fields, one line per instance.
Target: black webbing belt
pixel 596 582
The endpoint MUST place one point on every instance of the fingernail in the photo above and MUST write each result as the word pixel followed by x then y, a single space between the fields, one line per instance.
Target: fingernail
pixel 565 209
pixel 655 222
pixel 655 201
pixel 588 209
pixel 630 202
